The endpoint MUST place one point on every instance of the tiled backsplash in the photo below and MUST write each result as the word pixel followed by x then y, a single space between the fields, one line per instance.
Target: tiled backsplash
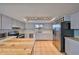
pixel 76 33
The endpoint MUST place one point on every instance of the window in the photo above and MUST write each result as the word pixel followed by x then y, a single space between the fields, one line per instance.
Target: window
pixel 38 26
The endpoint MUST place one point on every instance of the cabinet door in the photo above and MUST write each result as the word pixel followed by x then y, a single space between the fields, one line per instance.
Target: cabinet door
pixel 0 22
pixel 17 23
pixel 74 24
pixel 74 47
pixel 71 46
pixel 67 46
pixel 6 22
pixel 75 21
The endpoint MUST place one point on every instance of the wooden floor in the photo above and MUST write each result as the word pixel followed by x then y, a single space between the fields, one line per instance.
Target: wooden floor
pixel 45 48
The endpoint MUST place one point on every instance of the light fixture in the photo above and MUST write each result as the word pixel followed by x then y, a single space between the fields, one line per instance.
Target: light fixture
pixel 55 18
pixel 38 18
pixel 52 19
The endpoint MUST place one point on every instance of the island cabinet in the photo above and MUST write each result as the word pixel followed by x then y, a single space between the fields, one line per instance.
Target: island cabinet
pixel 71 46
pixel 67 48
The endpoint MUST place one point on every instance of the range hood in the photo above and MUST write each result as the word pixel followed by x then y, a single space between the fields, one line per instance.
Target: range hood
pixel 16 28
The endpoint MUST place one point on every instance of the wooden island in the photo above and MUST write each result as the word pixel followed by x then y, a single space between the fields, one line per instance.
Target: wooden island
pixel 17 46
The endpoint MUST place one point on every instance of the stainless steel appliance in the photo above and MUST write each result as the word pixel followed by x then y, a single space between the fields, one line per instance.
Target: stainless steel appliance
pixel 60 30
pixel 13 33
pixel 21 36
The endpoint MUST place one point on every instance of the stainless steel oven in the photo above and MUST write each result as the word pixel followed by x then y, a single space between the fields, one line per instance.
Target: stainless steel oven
pixel 13 33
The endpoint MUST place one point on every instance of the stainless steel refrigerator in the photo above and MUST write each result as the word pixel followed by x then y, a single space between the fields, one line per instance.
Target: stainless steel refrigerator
pixel 61 30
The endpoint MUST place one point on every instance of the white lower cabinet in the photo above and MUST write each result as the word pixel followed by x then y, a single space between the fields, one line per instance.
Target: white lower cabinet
pixel 71 46
pixel 67 48
pixel 74 47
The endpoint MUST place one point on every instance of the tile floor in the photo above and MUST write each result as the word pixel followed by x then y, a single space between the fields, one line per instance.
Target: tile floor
pixel 45 48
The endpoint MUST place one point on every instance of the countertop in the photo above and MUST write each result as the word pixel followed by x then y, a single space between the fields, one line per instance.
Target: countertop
pixel 73 38
pixel 6 38
pixel 16 46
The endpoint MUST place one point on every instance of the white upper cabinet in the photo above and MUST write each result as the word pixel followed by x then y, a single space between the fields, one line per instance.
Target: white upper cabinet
pixel 17 23
pixel 6 22
pixel 75 21
pixel 67 18
pixel 74 18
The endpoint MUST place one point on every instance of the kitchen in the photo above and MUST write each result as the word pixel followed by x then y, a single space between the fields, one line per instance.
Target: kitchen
pixel 19 30
pixel 61 30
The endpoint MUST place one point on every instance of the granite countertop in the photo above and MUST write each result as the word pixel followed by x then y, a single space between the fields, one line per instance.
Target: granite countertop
pixel 73 38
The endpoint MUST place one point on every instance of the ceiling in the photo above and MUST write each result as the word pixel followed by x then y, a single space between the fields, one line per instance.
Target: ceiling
pixel 19 11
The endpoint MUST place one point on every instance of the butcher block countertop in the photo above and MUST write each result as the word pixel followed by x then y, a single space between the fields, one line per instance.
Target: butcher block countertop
pixel 17 46
pixel 7 38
